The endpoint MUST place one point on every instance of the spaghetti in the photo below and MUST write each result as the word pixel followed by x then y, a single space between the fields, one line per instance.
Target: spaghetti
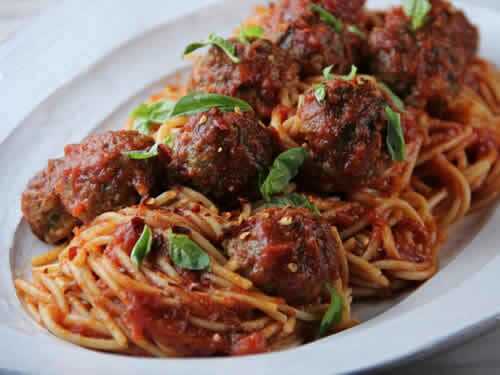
pixel 383 180
pixel 89 292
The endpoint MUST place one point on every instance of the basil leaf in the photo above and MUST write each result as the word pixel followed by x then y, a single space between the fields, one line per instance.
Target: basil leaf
pixel 320 92
pixel 356 31
pixel 142 247
pixel 194 46
pixel 395 140
pixel 186 253
pixel 214 40
pixel 328 18
pixel 327 73
pixel 250 32
pixel 351 75
pixel 284 169
pixel 398 103
pixel 143 154
pixel 201 102
pixel 320 88
pixel 417 10
pixel 160 111
pixel 293 200
pixel 142 125
pixel 141 110
pixel 333 314
pixel 149 113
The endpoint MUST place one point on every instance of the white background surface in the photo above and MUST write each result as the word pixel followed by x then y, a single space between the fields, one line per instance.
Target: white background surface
pixel 480 356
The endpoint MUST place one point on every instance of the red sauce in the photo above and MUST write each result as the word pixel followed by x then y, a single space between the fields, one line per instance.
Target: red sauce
pixel 97 177
pixel 287 252
pixel 252 344
pixel 220 154
pixel 264 69
pixel 72 252
pixel 125 237
pixel 412 240
pixel 309 40
pixel 146 316
pixel 345 136
pixel 428 65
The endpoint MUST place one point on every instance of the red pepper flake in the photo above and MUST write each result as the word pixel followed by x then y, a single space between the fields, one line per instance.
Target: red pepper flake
pixel 251 344
pixel 72 253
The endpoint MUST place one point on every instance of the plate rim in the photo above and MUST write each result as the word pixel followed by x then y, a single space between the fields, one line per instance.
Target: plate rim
pixel 314 350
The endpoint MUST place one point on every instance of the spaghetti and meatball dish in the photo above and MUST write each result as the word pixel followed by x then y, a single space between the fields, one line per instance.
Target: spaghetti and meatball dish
pixel 315 158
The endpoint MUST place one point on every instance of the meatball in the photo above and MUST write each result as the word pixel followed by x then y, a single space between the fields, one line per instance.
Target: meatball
pixel 43 209
pixel 344 134
pixel 287 252
pixel 221 154
pixel 93 177
pixel 97 177
pixel 263 71
pixel 347 10
pixel 312 42
pixel 427 65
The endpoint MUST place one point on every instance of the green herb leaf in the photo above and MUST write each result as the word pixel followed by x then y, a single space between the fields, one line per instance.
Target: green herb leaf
pixel 395 140
pixel 250 32
pixel 356 31
pixel 417 10
pixel 320 92
pixel 186 253
pixel 284 169
pixel 292 200
pixel 333 314
pixel 214 40
pixel 327 73
pixel 142 125
pixel 142 247
pixel 160 111
pixel 143 154
pixel 398 103
pixel 147 114
pixel 320 88
pixel 328 18
pixel 201 102
pixel 351 75
pixel 194 46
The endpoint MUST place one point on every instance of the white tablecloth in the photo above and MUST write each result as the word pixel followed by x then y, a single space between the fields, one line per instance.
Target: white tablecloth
pixel 479 356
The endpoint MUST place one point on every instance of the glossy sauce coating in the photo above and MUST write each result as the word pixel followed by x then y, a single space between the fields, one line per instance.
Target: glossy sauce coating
pixel 263 71
pixel 97 177
pixel 145 315
pixel 93 177
pixel 345 136
pixel 221 154
pixel 312 42
pixel 427 65
pixel 288 252
pixel 43 209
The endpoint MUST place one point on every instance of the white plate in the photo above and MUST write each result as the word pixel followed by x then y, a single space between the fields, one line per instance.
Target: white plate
pixel 94 61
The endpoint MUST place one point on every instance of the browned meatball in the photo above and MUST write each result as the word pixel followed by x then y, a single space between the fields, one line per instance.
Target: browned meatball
pixel 427 65
pixel 221 154
pixel 43 209
pixel 288 252
pixel 93 177
pixel 97 177
pixel 347 10
pixel 344 134
pixel 263 71
pixel 312 42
